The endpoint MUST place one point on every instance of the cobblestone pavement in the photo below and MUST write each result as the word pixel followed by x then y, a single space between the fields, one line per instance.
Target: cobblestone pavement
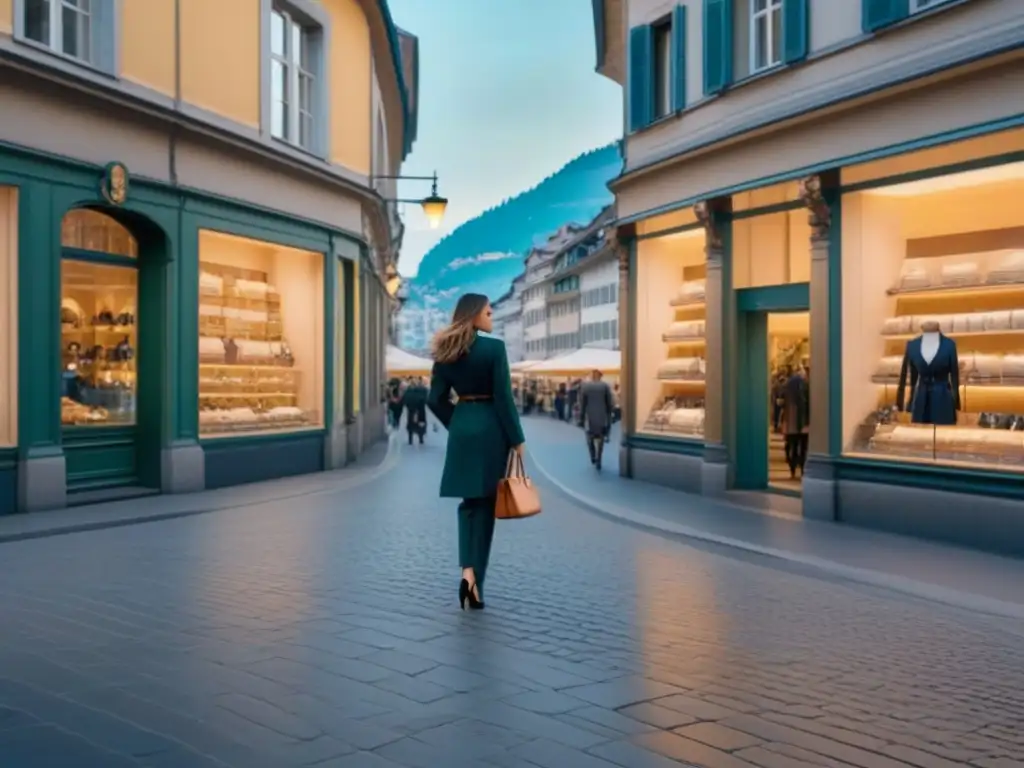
pixel 325 631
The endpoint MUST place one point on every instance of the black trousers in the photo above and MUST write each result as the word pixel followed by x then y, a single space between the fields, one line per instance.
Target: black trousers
pixel 796 451
pixel 476 532
pixel 595 444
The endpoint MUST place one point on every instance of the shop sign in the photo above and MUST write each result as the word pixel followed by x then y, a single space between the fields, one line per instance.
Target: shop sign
pixel 114 184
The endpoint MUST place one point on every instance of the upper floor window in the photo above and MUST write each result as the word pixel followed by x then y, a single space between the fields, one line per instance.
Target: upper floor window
pixel 916 6
pixel 297 95
pixel 662 68
pixel 82 30
pixel 765 34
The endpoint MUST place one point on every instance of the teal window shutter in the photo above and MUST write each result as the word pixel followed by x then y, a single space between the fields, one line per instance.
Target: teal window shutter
pixel 641 80
pixel 876 14
pixel 679 58
pixel 717 45
pixel 795 30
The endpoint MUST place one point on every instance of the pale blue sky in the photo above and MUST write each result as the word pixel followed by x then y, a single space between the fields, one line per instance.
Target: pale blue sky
pixel 508 94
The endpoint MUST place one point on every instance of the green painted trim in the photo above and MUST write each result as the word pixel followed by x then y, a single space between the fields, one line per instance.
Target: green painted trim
pixel 752 417
pixel 330 325
pixel 767 210
pixel 97 257
pixel 793 297
pixel 936 477
pixel 670 231
pixel 935 171
pixel 680 446
pixel 948 137
pixel 8 458
pixel 212 444
pixel 351 406
pixel 228 219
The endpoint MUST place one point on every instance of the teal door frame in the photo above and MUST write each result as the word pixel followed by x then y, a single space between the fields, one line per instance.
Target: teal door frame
pixel 753 306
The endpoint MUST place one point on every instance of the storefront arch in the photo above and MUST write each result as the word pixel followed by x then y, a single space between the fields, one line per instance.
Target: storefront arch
pixel 113 265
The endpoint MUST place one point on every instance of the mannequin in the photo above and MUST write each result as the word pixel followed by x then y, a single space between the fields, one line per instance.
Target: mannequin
pixel 934 370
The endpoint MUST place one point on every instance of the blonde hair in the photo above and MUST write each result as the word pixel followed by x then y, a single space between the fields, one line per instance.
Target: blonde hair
pixel 454 340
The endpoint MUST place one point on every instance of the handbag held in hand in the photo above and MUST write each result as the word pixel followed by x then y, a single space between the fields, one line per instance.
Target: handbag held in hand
pixel 517 495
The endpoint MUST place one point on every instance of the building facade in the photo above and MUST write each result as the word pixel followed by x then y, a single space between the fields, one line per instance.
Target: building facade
pixel 580 278
pixel 194 240
pixel 540 263
pixel 826 188
pixel 508 320
pixel 417 326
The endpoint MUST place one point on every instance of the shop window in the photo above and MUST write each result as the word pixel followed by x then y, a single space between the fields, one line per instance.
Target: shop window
pixel 774 249
pixel 670 343
pixel 9 326
pixel 765 34
pixel 261 351
pixel 933 320
pixel 99 304
pixel 82 30
pixel 298 109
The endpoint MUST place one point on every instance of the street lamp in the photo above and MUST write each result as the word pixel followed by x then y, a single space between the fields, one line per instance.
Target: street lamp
pixel 433 205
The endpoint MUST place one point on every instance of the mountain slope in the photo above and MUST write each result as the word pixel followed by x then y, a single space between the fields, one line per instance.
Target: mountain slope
pixel 486 253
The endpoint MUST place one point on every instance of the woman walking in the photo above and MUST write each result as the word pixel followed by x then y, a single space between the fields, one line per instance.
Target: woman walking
pixel 482 427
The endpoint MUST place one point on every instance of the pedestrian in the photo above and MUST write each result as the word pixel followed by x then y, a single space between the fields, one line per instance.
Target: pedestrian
pixel 414 399
pixel 560 398
pixel 394 402
pixel 596 405
pixel 796 417
pixel 483 426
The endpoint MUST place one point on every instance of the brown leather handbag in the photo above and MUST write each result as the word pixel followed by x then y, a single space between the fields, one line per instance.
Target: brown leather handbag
pixel 517 495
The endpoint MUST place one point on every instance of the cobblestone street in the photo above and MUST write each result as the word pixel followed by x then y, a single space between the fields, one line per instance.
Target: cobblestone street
pixel 324 630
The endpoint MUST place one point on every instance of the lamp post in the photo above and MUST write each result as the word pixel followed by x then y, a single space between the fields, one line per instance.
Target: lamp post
pixel 433 205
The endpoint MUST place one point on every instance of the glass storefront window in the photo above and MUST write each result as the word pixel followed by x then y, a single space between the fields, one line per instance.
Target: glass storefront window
pixel 933 320
pixel 99 300
pixel 670 339
pixel 260 336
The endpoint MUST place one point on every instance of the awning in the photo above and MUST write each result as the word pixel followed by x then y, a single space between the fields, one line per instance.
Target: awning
pixel 580 361
pixel 403 363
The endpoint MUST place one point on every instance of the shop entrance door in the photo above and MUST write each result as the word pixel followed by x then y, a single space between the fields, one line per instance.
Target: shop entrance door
pixel 99 351
pixel 773 407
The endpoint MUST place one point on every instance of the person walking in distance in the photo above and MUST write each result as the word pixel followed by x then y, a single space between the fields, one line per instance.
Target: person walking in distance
pixel 596 406
pixel 415 402
pixel 483 426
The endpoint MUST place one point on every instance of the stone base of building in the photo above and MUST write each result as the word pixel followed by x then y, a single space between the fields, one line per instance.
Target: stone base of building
pixel 41 482
pixel 678 471
pixel 183 468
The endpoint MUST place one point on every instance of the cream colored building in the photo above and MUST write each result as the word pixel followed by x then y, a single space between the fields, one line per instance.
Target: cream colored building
pixel 195 239
pixel 815 185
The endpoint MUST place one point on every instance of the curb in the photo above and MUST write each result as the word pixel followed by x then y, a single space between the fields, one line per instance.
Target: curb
pixel 919 589
pixel 357 478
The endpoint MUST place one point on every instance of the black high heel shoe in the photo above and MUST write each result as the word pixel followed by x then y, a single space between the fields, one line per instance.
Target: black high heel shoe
pixel 467 592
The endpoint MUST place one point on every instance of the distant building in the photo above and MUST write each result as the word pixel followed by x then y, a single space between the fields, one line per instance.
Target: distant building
pixel 416 327
pixel 539 265
pixel 508 319
pixel 585 274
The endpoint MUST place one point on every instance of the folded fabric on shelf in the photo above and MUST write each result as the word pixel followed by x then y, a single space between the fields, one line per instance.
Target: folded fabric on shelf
pixel 895 326
pixel 686 329
pixel 998 321
pixel 692 290
pixel 962 273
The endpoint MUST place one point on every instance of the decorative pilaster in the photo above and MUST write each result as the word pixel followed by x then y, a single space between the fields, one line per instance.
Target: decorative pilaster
pixel 623 244
pixel 819 195
pixel 714 474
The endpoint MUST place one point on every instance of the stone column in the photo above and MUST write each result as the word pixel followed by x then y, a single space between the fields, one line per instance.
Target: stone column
pixel 715 470
pixel 819 486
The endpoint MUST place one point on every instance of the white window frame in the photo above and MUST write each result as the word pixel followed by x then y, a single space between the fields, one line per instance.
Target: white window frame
pixel 102 18
pixel 662 70
pixel 773 55
pixel 313 21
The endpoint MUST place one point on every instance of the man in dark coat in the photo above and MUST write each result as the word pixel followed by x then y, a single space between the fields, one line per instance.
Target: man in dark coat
pixel 414 400
pixel 795 418
pixel 596 406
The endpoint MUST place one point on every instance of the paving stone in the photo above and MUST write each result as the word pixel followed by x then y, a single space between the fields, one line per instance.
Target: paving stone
pixel 46 746
pixel 718 736
pixel 323 630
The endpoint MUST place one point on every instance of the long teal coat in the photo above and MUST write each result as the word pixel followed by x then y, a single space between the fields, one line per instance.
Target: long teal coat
pixel 480 434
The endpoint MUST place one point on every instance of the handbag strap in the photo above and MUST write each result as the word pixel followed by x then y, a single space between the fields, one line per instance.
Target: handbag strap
pixel 515 467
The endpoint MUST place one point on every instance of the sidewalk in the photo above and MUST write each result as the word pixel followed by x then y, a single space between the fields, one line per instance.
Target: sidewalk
pixel 379 459
pixel 961 577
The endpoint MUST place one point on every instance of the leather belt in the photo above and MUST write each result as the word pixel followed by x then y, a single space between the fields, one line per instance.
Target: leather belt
pixel 475 398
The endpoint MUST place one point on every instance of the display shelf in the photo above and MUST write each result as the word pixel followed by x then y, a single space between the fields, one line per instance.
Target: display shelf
pixel 680 380
pixel 1007 383
pixel 957 334
pixel 700 303
pixel 946 290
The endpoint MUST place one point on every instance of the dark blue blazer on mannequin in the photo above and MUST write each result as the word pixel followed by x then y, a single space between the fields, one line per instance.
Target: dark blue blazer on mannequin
pixel 934 386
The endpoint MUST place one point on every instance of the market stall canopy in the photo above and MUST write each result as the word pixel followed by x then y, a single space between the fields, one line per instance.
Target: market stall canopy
pixel 403 363
pixel 580 361
pixel 524 365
